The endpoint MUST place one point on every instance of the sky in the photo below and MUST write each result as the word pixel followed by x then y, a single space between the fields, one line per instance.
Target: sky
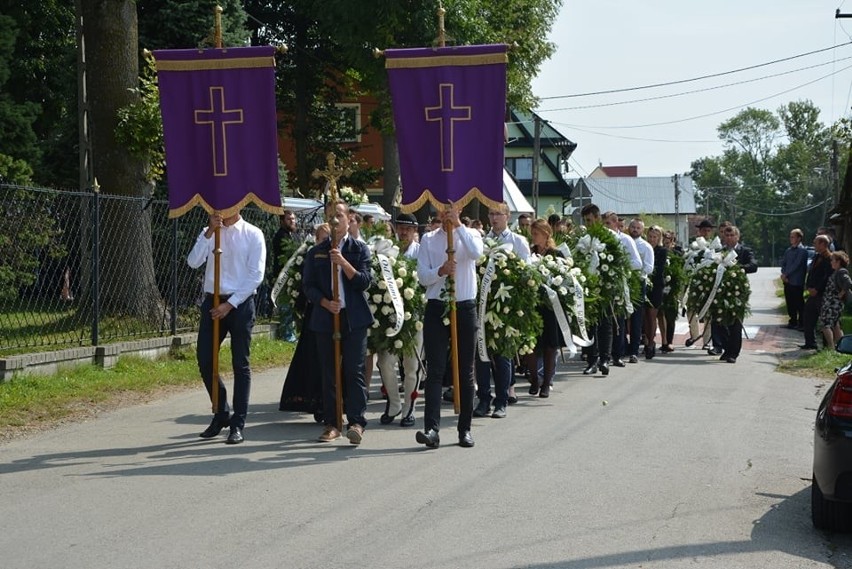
pixel 620 44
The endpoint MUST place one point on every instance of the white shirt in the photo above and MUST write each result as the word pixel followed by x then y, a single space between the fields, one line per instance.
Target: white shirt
pixel 241 263
pixel 518 242
pixel 413 249
pixel 468 247
pixel 646 252
pixel 630 246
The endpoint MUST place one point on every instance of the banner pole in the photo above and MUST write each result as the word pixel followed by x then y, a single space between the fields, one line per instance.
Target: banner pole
pixel 217 252
pixel 451 288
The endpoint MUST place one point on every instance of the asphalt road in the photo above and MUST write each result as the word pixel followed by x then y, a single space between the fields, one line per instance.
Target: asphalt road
pixel 691 462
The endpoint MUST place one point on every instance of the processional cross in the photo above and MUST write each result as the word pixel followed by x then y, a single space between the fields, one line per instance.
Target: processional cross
pixel 331 174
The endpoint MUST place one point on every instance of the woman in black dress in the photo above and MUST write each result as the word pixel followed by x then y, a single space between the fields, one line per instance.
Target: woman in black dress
pixel 551 339
pixel 655 291
pixel 302 391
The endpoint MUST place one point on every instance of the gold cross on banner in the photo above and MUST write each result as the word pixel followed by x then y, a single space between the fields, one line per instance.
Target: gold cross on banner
pixel 447 113
pixel 218 117
pixel 331 174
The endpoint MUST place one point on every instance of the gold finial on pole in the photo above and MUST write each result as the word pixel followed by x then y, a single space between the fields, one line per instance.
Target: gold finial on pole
pixel 442 32
pixel 332 174
pixel 217 26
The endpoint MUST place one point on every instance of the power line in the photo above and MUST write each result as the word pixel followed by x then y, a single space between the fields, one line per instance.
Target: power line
pixel 692 92
pixel 681 81
pixel 716 112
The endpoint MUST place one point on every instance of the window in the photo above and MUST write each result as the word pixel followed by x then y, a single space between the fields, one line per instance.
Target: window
pixel 350 122
pixel 521 168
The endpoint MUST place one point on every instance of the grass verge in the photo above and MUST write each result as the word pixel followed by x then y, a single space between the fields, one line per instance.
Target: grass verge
pixel 30 402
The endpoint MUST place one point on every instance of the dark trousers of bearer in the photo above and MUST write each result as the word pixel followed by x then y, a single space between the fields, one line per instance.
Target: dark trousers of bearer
pixel 353 347
pixel 436 344
pixel 238 323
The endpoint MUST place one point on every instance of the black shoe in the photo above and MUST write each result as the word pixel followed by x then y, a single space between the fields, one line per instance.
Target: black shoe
pixel 448 395
pixel 809 347
pixel 591 370
pixel 689 342
pixel 216 426
pixel 465 439
pixel 618 362
pixel 723 357
pixel 483 408
pixel 633 359
pixel 499 412
pixel 407 421
pixel 235 437
pixel 430 438
pixel 666 349
pixel 386 419
pixel 731 360
pixel 714 352
pixel 604 366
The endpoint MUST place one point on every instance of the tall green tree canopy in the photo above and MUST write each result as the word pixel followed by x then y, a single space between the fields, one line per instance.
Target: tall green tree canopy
pixel 776 173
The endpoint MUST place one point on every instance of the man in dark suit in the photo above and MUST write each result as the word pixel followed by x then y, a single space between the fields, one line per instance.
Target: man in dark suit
pixel 731 335
pixel 348 260
pixel 815 284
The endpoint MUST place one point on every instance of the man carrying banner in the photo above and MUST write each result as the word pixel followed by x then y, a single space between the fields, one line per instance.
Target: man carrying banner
pixel 433 268
pixel 243 262
pixel 352 256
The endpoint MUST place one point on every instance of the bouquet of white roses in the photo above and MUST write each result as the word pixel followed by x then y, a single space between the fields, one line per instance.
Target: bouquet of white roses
pixel 288 286
pixel 565 290
pixel 396 300
pixel 598 252
pixel 719 289
pixel 508 299
pixel 351 197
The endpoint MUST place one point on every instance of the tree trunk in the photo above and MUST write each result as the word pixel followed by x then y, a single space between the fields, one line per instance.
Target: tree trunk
pixel 128 286
pixel 390 174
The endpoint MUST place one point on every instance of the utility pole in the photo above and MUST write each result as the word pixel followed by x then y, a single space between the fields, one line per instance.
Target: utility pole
pixel 676 179
pixel 536 157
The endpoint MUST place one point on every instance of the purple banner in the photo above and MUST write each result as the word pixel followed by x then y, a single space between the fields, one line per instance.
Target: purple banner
pixel 220 130
pixel 449 108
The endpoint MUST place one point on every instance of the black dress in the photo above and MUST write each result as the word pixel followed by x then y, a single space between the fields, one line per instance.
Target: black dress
pixel 302 389
pixel 551 335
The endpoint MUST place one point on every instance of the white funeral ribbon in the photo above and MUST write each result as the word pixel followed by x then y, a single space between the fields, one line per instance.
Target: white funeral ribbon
pixel 561 319
pixel 583 339
pixel 725 262
pixel 628 302
pixel 494 253
pixel 592 247
pixel 566 251
pixel 385 250
pixel 282 276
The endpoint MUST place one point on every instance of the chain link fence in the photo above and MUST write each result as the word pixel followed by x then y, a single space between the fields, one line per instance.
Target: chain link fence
pixel 80 269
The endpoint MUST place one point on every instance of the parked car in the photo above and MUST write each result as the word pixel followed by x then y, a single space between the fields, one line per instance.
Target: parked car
pixel 831 489
pixel 811 254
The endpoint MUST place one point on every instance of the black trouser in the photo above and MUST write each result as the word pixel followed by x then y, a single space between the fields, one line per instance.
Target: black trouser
pixel 436 344
pixel 670 314
pixel 239 323
pixel 732 339
pixel 601 349
pixel 810 315
pixel 795 299
pixel 353 348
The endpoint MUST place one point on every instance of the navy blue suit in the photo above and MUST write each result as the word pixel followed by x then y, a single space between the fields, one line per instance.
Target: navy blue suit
pixel 355 319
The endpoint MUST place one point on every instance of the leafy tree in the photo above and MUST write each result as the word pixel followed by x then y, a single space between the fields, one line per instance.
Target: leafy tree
pixel 186 24
pixel 773 170
pixel 39 116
